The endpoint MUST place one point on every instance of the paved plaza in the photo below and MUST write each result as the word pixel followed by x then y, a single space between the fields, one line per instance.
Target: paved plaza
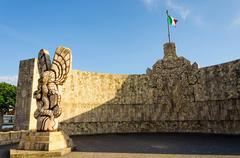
pixel 150 145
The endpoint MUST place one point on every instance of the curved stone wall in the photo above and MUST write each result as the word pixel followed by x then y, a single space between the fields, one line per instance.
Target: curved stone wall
pixel 174 96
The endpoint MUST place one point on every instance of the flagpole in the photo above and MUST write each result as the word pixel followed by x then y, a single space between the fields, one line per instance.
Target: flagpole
pixel 168 27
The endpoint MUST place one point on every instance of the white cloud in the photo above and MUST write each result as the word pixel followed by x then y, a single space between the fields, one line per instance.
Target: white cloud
pixel 9 79
pixel 236 22
pixel 198 21
pixel 170 4
pixel 149 4
pixel 183 11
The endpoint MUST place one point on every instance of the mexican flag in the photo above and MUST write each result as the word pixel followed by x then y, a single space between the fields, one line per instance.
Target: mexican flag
pixel 172 21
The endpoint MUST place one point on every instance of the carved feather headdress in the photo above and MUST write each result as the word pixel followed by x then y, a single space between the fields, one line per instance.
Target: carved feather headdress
pixel 61 64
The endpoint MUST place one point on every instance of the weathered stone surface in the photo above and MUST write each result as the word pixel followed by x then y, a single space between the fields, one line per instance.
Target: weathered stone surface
pixel 172 80
pixel 174 96
pixel 11 137
pixel 45 141
pixel 194 126
pixel 47 95
pixel 219 82
pixel 36 154
pixel 26 105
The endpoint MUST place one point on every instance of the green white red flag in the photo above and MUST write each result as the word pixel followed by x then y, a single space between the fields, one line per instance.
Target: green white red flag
pixel 172 21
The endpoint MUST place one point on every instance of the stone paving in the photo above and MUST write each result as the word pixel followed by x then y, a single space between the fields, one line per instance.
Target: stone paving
pixel 160 143
pixel 150 145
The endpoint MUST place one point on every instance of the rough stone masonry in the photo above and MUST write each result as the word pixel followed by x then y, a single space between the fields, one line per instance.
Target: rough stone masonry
pixel 174 96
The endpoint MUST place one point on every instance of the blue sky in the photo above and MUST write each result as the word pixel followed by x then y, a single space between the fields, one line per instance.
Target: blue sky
pixel 117 36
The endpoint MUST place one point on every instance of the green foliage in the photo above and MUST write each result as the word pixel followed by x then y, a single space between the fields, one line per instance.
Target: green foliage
pixel 7 97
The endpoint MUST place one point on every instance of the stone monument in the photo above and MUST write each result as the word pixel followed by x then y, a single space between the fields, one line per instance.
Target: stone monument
pixel 47 140
pixel 175 95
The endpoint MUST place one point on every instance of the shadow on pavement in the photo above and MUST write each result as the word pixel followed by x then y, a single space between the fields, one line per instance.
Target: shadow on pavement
pixel 155 143
pixel 5 150
pixel 201 144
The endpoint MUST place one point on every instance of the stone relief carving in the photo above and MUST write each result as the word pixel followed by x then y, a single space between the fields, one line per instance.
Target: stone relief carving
pixel 48 97
pixel 173 79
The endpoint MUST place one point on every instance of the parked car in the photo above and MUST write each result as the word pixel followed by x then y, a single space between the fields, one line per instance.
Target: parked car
pixel 8 121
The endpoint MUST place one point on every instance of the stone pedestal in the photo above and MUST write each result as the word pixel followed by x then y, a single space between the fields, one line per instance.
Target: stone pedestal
pixel 48 144
pixel 169 51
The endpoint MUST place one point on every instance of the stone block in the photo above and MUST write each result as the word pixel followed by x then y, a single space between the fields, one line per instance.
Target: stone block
pixel 36 154
pixel 45 141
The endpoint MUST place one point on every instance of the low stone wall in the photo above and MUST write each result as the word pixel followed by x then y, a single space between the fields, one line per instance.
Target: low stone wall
pixel 215 127
pixel 11 137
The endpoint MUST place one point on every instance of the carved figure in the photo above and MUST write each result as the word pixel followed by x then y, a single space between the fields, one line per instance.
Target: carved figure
pixel 47 95
pixel 173 79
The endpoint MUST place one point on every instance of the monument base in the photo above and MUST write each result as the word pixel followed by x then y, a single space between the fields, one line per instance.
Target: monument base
pixel 37 144
pixel 14 153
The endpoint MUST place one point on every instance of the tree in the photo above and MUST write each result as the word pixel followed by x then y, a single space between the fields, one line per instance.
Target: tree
pixel 7 97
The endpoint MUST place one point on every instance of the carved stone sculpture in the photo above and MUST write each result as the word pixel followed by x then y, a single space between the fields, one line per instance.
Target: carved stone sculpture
pixel 47 95
pixel 173 80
